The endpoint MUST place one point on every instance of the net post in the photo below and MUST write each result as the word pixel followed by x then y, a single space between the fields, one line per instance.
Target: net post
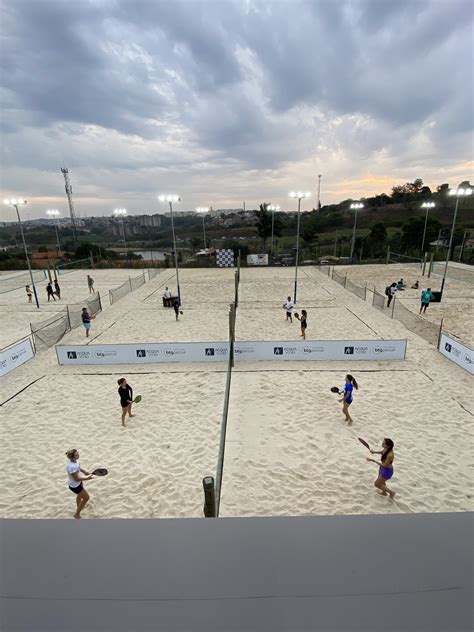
pixel 50 278
pixel 33 338
pixel 144 277
pixel 424 264
pixel 365 294
pixel 388 255
pixel 68 317
pixel 439 333
pixel 209 497
pixel 100 302
pixel 373 298
pixel 130 283
pixel 345 280
pixel 430 269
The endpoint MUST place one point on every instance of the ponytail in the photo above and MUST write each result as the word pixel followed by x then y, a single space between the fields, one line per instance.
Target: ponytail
pixel 353 381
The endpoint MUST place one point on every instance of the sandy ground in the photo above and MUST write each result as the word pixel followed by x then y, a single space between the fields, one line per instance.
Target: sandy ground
pixel 456 309
pixel 288 451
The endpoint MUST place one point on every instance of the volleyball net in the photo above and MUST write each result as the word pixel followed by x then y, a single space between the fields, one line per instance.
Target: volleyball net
pixel 396 257
pixel 72 266
pixel 18 281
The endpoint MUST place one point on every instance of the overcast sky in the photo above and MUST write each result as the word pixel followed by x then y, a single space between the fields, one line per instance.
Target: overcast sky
pixel 231 100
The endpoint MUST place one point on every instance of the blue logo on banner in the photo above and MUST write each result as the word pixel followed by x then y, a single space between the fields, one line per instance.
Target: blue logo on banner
pixel 447 347
pixel 209 351
pixel 141 353
pixel 277 350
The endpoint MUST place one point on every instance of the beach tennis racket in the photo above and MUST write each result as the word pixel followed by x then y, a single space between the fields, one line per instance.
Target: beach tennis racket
pixel 364 443
pixel 137 399
pixel 334 389
pixel 296 315
pixel 100 471
pixel 181 313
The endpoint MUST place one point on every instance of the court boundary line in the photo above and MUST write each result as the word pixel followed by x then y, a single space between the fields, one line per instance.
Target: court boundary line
pixel 23 389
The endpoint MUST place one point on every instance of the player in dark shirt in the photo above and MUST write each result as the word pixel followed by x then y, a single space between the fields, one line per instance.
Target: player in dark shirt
pixel 125 392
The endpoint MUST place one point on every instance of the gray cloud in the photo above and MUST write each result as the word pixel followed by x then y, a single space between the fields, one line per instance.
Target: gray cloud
pixel 211 93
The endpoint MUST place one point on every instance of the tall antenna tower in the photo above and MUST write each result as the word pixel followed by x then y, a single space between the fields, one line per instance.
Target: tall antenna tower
pixel 68 188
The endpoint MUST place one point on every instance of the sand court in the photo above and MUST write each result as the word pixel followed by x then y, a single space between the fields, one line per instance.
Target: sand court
pixel 155 464
pixel 289 451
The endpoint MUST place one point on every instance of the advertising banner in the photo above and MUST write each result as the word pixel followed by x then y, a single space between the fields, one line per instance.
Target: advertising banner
pixel 321 350
pixel 15 356
pixel 457 352
pixel 143 353
pixel 257 260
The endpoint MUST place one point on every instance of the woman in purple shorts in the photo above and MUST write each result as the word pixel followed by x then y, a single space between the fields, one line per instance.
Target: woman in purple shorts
pixel 385 467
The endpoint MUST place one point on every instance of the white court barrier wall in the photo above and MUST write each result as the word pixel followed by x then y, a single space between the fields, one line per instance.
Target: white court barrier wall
pixel 257 260
pixel 143 353
pixel 16 355
pixel 321 350
pixel 457 352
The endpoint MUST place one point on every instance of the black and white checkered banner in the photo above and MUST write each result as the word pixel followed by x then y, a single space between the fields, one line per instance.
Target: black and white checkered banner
pixel 225 258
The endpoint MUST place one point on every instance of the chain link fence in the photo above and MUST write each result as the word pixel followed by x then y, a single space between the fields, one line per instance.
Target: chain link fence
pixel 49 332
pixel 137 282
pixel 152 273
pixel 128 286
pixel 358 290
pixel 378 300
pixel 339 278
pixel 417 325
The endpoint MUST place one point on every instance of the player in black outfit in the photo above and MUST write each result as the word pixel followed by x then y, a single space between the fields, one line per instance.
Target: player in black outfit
pixel 303 322
pixel 125 392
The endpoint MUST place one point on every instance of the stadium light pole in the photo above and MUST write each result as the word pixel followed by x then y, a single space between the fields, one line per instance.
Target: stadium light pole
pixel 54 215
pixel 300 196
pixel 273 208
pixel 15 204
pixel 427 206
pixel 356 206
pixel 459 193
pixel 202 210
pixel 121 213
pixel 170 198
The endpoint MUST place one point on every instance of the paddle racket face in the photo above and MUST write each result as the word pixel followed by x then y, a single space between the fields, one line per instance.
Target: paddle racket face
pixel 100 471
pixel 181 313
pixel 137 399
pixel 296 315
pixel 364 443
pixel 334 389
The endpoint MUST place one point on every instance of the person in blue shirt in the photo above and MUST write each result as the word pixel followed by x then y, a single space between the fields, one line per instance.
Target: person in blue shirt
pixel 349 386
pixel 426 297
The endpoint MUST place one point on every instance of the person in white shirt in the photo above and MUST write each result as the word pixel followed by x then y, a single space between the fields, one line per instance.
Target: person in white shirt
pixel 288 306
pixel 166 297
pixel 75 481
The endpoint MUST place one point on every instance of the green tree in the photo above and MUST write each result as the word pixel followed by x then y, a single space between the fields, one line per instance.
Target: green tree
pixel 264 223
pixel 376 240
pixel 412 232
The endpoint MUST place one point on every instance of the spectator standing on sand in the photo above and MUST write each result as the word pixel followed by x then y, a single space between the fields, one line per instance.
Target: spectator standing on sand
pixel 288 306
pixel 49 292
pixel 28 293
pixel 90 284
pixel 166 297
pixel 86 320
pixel 57 288
pixel 426 297
pixel 390 293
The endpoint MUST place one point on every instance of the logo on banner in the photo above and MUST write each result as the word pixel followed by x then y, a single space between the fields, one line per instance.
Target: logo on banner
pixel 348 350
pixel 16 356
pixel 104 354
pixel 141 353
pixel 3 364
pixel 277 350
pixel 209 351
pixel 385 349
pixel 242 350
pixel 447 347
pixel 309 350
pixel 71 355
pixel 173 352
pixel 468 359
pixel 76 355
